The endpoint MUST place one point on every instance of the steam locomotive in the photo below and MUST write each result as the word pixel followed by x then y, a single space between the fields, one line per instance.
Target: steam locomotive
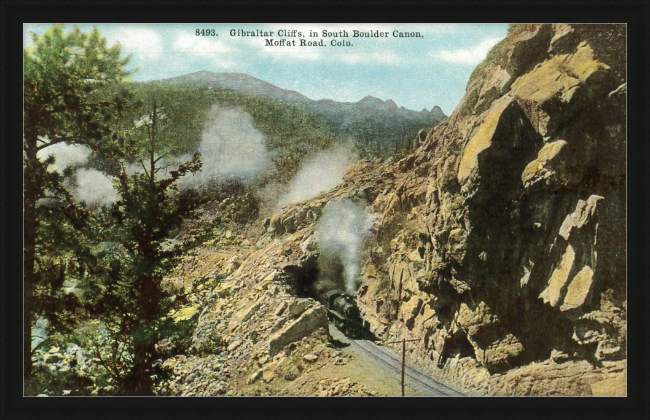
pixel 343 311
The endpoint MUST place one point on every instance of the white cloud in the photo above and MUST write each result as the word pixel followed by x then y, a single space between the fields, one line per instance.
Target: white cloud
pixel 201 46
pixel 219 52
pixel 384 57
pixel 466 56
pixel 147 43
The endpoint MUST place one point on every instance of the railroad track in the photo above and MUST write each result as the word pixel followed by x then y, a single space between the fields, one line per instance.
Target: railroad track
pixel 391 362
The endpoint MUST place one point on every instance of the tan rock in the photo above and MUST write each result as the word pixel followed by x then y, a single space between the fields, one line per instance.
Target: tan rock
pixel 370 271
pixel 271 277
pixel 255 376
pixel 310 321
pixel 232 346
pixel 540 168
pixel 298 306
pixel 414 256
pixel 558 77
pixel 310 357
pixel 481 140
pixel 275 223
pixel 281 308
pixel 268 375
pixel 578 289
pixel 583 213
pixel 244 315
pixel 480 315
pixel 613 387
pixel 500 352
pixel 184 314
pixel 559 277
pixel 410 309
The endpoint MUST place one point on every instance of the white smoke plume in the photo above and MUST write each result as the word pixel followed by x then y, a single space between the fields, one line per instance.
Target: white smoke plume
pixel 65 155
pixel 94 187
pixel 231 148
pixel 90 185
pixel 319 174
pixel 341 231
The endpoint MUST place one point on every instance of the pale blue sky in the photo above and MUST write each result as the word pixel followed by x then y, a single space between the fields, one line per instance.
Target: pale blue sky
pixel 414 72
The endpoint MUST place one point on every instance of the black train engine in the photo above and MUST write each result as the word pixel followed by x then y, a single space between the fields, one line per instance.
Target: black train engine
pixel 342 309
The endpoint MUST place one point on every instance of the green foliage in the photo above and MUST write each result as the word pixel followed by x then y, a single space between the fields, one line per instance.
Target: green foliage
pixel 56 383
pixel 175 337
pixel 62 74
pixel 213 343
pixel 291 132
pixel 128 292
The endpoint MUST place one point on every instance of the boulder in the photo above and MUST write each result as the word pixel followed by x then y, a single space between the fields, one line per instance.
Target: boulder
pixel 500 353
pixel 310 321
pixel 184 314
pixel 232 346
pixel 549 168
pixel 244 315
pixel 255 376
pixel 310 357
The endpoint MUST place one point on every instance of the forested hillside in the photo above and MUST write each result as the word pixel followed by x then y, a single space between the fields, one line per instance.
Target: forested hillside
pixel 124 179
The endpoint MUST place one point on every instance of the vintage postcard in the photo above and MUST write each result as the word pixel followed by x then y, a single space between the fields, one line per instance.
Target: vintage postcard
pixel 325 209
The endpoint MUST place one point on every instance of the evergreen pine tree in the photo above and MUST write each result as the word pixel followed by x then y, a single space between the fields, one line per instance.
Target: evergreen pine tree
pixel 62 75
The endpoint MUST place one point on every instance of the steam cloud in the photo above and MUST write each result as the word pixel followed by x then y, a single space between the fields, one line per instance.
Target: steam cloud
pixel 319 174
pixel 91 186
pixel 65 155
pixel 341 231
pixel 94 187
pixel 231 147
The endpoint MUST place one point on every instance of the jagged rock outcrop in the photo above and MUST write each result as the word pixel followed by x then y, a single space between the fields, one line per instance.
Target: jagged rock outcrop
pixel 505 235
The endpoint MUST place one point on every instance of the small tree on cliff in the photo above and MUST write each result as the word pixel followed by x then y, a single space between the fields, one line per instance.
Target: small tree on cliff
pixel 131 299
pixel 62 75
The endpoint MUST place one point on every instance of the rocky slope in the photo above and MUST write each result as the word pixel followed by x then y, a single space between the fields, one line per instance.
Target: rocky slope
pixel 499 244
pixel 504 238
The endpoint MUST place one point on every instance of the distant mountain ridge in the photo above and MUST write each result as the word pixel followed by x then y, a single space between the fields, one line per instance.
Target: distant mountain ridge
pixel 369 120
pixel 245 83
pixel 240 82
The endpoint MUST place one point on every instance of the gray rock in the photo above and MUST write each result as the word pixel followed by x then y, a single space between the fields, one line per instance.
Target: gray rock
pixel 310 321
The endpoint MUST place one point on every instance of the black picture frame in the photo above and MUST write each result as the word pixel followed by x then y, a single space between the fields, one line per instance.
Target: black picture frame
pixel 635 14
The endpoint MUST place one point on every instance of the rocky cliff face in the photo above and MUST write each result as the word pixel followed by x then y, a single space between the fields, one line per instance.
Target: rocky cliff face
pixel 499 244
pixel 503 244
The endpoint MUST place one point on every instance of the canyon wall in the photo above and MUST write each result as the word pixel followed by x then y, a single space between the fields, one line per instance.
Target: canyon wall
pixel 502 244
